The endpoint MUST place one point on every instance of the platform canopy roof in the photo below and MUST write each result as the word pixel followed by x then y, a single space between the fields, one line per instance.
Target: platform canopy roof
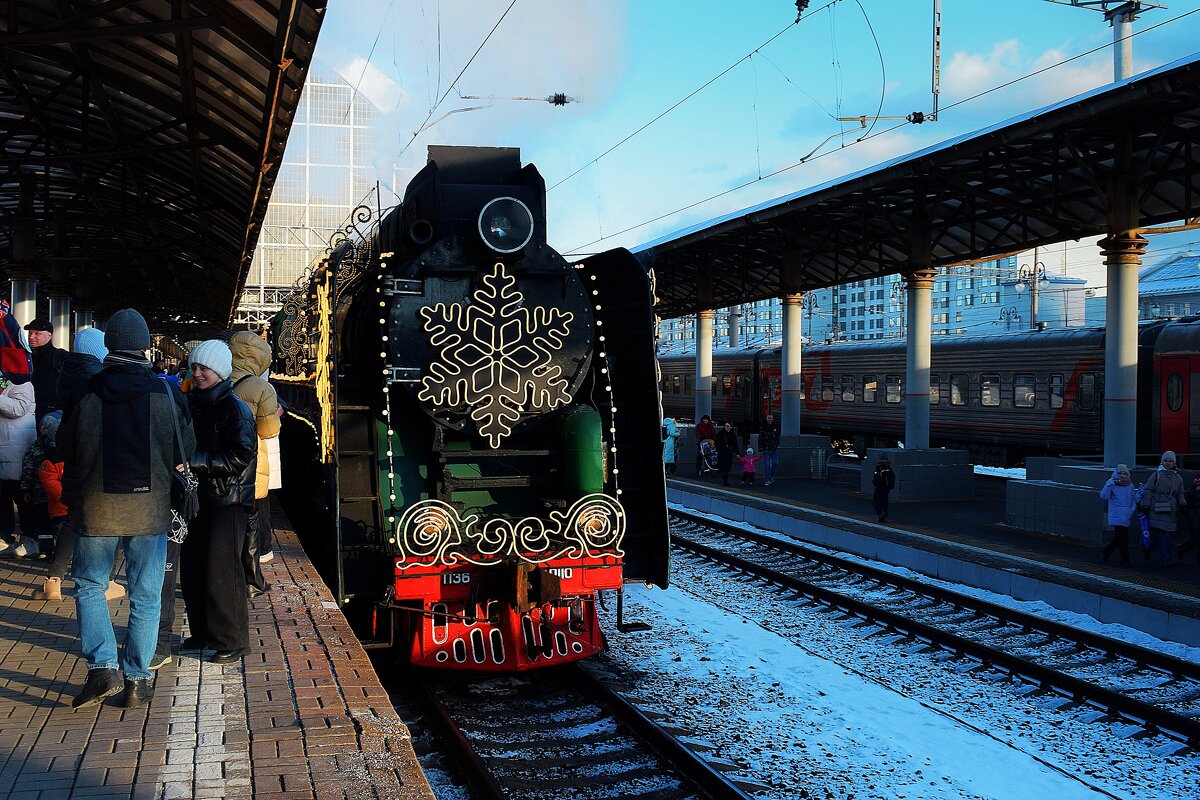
pixel 140 141
pixel 1034 180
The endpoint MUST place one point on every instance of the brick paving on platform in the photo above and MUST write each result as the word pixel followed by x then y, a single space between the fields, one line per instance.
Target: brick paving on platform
pixel 304 717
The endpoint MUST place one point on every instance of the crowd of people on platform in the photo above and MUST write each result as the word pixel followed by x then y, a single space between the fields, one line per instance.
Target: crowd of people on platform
pixel 92 442
pixel 718 448
pixel 1164 508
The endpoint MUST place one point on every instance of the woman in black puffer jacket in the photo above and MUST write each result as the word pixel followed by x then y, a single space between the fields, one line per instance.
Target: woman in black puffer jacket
pixel 214 582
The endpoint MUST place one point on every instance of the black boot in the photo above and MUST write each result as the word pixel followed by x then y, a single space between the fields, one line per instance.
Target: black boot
pixel 101 683
pixel 254 576
pixel 138 693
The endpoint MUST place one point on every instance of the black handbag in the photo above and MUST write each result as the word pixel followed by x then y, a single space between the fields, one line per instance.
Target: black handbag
pixel 185 487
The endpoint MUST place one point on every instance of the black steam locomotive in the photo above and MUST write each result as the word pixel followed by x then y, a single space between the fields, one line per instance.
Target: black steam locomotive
pixel 474 448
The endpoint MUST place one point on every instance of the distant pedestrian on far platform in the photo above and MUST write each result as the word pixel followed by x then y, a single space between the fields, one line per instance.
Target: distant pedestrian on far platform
pixel 1118 491
pixel 670 437
pixel 1162 499
pixel 749 463
pixel 705 431
pixel 768 445
pixel 727 445
pixel 884 480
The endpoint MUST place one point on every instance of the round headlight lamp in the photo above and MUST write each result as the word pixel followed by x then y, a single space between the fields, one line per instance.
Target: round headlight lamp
pixel 506 224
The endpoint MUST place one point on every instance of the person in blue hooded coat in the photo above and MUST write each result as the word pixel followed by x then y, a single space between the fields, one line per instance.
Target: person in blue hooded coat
pixel 1119 493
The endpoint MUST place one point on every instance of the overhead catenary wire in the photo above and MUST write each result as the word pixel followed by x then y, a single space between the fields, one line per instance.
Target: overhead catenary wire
pixel 457 77
pixel 367 63
pixel 814 156
pixel 691 94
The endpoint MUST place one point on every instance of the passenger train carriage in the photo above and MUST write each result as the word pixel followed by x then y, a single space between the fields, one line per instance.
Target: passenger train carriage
pixel 472 451
pixel 1002 397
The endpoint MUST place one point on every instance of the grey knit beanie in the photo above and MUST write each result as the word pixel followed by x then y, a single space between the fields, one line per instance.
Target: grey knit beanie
pixel 127 330
pixel 215 355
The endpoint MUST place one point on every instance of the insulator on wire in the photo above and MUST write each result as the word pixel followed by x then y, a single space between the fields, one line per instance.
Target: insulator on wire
pixel 916 117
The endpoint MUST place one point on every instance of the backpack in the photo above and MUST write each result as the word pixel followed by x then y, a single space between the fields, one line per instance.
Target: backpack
pixel 15 360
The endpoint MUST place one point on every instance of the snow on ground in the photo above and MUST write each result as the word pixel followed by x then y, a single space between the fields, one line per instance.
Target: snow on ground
pixel 1001 472
pixel 811 707
pixel 1038 608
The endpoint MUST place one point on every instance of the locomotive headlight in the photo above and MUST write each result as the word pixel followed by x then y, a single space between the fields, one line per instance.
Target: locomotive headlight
pixel 506 224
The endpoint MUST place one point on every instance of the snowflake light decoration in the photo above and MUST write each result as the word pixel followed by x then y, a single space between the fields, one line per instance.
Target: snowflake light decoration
pixel 495 356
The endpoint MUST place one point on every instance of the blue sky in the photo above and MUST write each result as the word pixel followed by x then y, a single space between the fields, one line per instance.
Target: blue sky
pixel 628 62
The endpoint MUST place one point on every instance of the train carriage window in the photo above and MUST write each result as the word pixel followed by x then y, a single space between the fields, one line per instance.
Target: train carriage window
pixel 959 390
pixel 678 384
pixel 1024 391
pixel 743 387
pixel 803 387
pixel 827 388
pixel 895 389
pixel 687 384
pixel 666 387
pixel 847 388
pixel 989 390
pixel 870 385
pixel 1174 391
pixel 1087 392
pixel 1056 391
pixel 726 385
pixel 935 390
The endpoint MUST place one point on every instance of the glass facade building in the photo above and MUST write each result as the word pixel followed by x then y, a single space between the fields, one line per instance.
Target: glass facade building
pixel 327 170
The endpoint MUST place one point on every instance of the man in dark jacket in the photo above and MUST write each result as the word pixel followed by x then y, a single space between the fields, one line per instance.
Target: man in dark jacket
pixel 47 363
pixel 768 445
pixel 119 451
pixel 727 445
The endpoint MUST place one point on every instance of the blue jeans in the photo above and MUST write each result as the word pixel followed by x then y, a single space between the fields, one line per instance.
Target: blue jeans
pixel 145 562
pixel 770 462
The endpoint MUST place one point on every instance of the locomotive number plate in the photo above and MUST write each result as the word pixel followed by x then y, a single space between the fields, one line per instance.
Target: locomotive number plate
pixel 455 578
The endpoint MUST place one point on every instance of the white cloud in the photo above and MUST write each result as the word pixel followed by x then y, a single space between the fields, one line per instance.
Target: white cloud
pixel 372 82
pixel 970 73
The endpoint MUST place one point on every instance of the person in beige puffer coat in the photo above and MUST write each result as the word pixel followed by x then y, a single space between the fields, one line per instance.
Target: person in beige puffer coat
pixel 252 358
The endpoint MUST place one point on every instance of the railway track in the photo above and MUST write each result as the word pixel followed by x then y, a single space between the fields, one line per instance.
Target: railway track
pixel 562 734
pixel 1119 681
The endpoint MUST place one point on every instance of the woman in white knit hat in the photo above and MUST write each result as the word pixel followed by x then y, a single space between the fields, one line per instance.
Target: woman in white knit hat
pixel 214 582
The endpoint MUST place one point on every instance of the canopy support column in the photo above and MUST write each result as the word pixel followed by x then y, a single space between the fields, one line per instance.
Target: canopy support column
pixel 84 318
pixel 1122 255
pixel 60 318
pixel 704 347
pixel 790 403
pixel 917 357
pixel 23 294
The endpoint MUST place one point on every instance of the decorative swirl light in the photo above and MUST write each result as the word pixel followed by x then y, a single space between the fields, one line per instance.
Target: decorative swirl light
pixel 433 530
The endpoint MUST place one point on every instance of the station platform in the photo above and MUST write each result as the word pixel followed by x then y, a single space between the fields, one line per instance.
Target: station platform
pixel 304 717
pixel 965 541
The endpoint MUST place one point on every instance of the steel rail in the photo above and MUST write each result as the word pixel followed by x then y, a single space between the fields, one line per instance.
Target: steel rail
pixel 694 769
pixel 469 760
pixel 1141 656
pixel 1111 702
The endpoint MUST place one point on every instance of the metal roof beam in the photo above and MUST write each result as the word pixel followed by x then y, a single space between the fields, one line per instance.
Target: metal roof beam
pixel 122 31
pixel 121 154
